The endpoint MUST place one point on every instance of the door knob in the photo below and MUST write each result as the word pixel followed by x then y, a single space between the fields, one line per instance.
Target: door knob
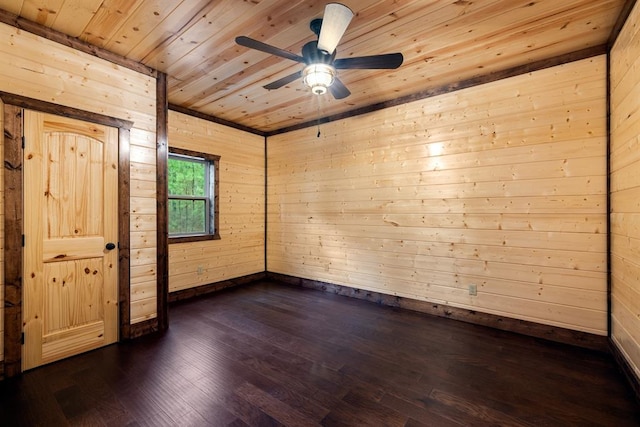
pixel 110 246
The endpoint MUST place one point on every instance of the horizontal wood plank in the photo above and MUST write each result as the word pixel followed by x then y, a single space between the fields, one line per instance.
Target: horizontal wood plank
pixel 424 199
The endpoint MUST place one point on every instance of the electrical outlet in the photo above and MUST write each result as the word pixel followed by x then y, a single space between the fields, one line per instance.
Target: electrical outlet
pixel 473 289
pixel 200 270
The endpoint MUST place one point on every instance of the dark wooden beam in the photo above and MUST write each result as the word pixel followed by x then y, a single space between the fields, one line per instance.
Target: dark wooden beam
pixel 608 197
pixel 537 330
pixel 12 240
pixel 162 192
pixel 214 119
pixel 452 87
pixel 266 201
pixel 124 233
pixel 73 42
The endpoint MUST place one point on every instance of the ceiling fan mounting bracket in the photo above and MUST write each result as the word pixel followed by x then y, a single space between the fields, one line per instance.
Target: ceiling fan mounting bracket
pixel 316 25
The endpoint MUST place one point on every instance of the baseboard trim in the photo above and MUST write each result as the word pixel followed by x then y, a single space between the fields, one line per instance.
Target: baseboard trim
pixel 214 287
pixel 537 330
pixel 626 369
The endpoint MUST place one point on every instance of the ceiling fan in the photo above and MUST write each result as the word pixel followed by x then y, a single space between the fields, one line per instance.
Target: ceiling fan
pixel 320 74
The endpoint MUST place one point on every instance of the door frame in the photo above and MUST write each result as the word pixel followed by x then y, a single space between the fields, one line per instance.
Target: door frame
pixel 14 193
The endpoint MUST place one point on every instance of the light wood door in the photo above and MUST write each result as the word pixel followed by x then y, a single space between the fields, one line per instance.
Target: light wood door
pixel 70 216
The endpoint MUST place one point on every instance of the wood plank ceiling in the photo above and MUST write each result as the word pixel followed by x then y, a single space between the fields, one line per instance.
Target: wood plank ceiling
pixel 443 42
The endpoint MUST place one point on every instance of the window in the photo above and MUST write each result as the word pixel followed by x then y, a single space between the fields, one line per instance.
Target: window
pixel 193 210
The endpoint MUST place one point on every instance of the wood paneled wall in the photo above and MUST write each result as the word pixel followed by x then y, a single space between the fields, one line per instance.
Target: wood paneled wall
pixel 240 250
pixel 625 191
pixel 501 185
pixel 41 69
pixel 143 226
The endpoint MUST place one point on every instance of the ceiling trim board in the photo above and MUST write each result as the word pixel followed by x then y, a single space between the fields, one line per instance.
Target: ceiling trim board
pixel 73 42
pixel 452 87
pixel 214 119
pixel 622 19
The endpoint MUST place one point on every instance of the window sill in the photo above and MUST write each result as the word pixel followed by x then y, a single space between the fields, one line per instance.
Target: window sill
pixel 188 239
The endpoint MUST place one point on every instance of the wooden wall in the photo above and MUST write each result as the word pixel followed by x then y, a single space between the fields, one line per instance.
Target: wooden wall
pixel 501 185
pixel 41 69
pixel 143 254
pixel 625 191
pixel 240 250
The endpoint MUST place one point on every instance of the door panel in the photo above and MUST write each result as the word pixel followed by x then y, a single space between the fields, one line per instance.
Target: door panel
pixel 70 213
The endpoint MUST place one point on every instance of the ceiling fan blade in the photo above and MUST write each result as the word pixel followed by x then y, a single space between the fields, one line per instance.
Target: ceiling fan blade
pixel 387 61
pixel 338 89
pixel 335 21
pixel 267 48
pixel 283 81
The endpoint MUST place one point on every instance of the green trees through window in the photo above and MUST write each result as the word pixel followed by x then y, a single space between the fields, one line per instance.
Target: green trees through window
pixel 191 182
pixel 187 211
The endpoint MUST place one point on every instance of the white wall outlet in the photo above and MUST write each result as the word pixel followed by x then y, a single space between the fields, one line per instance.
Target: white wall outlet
pixel 200 270
pixel 473 289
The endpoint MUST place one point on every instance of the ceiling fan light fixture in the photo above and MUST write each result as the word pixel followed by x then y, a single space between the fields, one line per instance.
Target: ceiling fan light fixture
pixel 318 77
pixel 319 74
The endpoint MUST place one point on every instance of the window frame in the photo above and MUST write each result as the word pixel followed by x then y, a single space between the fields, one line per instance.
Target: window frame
pixel 211 201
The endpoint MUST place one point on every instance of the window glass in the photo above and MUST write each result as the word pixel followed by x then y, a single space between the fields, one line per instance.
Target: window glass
pixel 191 204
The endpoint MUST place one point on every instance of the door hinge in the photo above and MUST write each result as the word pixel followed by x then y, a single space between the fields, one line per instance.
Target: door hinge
pixel 23 142
pixel 22 339
pixel 23 239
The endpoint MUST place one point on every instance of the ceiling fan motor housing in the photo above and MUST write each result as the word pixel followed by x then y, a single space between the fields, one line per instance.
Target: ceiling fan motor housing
pixel 313 55
pixel 319 56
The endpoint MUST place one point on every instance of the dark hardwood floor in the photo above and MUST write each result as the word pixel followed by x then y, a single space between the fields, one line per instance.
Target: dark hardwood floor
pixel 269 354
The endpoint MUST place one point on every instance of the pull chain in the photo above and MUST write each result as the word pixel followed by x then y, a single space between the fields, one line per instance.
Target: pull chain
pixel 318 135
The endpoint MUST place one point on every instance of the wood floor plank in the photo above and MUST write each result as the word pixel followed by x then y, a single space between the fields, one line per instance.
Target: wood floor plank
pixel 273 406
pixel 268 354
pixel 291 378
